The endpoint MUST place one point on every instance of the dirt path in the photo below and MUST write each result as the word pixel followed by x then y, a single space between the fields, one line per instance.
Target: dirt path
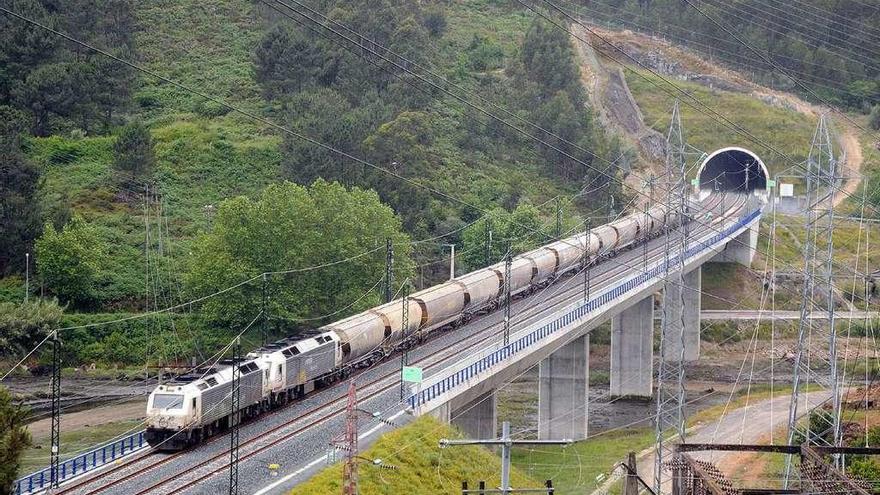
pixel 91 417
pixel 849 141
pixel 677 61
pixel 752 424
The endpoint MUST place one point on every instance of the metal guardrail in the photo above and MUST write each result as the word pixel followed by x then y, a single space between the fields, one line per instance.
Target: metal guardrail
pixel 579 310
pixel 82 463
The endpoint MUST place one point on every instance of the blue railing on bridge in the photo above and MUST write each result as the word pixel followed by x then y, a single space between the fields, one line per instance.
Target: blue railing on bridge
pixel 464 374
pixel 81 463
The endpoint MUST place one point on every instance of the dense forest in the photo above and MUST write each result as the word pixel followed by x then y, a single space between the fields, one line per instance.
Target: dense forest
pixel 437 122
pixel 122 193
pixel 830 46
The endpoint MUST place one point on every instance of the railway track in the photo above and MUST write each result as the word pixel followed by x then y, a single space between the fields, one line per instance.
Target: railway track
pixel 194 473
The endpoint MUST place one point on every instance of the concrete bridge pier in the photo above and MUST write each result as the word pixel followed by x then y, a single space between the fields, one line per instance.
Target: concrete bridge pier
pixel 740 249
pixel 632 350
pixel 691 292
pixel 563 384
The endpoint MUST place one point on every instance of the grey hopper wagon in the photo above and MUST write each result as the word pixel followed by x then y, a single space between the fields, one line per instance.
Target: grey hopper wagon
pixel 608 239
pixel 627 230
pixel 392 314
pixel 522 272
pixel 569 252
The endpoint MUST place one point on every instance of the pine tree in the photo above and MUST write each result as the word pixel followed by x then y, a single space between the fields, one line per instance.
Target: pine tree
pixel 134 150
pixel 19 208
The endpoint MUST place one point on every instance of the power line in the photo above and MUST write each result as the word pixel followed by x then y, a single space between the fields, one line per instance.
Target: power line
pixel 770 18
pixel 738 58
pixel 405 67
pixel 686 94
pixel 328 147
pixel 778 67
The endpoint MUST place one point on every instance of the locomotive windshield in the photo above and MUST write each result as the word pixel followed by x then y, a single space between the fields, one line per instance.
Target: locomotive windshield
pixel 168 401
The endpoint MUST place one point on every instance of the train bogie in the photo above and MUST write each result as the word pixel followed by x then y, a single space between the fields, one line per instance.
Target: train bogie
pixel 482 286
pixel 441 304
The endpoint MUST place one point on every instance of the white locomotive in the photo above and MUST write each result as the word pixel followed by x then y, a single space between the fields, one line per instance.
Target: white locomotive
pixel 193 407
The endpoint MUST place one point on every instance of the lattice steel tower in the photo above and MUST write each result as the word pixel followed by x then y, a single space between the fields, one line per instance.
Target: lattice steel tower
pixel 670 372
pixel 817 292
pixel 350 444
pixel 235 416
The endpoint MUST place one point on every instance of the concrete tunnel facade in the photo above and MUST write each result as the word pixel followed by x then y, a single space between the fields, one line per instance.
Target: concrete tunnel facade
pixel 733 169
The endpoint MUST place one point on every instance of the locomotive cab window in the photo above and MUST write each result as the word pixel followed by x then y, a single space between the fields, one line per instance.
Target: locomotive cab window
pixel 168 401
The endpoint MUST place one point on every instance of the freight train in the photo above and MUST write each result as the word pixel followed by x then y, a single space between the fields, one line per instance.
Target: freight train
pixel 197 405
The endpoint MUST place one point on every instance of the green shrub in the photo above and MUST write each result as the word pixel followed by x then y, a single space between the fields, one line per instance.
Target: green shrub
pixel 866 469
pixel 68 260
pixel 156 339
pixel 435 22
pixel 14 438
pixel 484 54
pixel 874 118
pixel 64 152
pixel 720 332
pixel 148 99
pixel 22 326
pixel 211 109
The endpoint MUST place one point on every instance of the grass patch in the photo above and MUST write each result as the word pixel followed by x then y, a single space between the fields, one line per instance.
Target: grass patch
pixel 73 442
pixel 849 254
pixel 785 130
pixel 206 46
pixel 422 467
pixel 729 286
pixel 574 468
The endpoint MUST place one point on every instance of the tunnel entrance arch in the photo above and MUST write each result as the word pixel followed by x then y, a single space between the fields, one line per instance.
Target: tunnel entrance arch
pixel 733 169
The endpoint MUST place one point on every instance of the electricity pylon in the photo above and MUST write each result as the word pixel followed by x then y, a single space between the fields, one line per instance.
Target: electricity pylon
pixel 670 372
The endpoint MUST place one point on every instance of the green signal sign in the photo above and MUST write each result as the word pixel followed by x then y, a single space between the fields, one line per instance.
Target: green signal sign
pixel 412 374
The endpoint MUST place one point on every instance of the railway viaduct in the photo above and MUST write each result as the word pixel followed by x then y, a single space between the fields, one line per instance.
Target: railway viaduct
pixel 464 393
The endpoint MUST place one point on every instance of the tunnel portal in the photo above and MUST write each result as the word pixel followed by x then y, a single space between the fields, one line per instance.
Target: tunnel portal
pixel 733 169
